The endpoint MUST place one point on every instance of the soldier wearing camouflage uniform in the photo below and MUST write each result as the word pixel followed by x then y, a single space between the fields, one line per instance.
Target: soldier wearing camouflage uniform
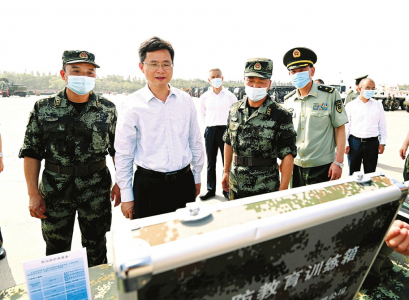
pixel 352 95
pixel 258 131
pixel 73 131
pixel 387 103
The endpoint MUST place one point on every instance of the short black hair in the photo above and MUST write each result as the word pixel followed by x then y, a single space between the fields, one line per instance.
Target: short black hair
pixel 154 44
pixel 320 81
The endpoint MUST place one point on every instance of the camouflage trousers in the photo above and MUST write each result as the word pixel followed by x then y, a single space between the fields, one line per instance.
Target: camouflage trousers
pixel 89 195
pixel 307 176
pixel 406 169
pixel 250 181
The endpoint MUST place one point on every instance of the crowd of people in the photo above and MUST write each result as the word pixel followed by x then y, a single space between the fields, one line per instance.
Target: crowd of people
pixel 157 130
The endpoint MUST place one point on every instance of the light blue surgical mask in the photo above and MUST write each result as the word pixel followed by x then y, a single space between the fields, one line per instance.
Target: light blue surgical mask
pixel 300 79
pixel 81 85
pixel 255 94
pixel 216 82
pixel 368 94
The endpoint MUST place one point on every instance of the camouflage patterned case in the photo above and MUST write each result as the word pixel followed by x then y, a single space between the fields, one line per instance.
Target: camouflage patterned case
pixel 315 242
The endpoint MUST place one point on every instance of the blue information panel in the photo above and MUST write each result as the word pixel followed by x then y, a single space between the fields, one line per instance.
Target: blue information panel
pixel 62 276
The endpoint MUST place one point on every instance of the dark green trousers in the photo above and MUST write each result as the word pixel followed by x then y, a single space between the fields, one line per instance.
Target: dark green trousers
pixel 307 176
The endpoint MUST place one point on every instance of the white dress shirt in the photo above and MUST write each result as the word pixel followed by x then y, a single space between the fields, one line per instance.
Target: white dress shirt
pixel 216 107
pixel 156 135
pixel 366 120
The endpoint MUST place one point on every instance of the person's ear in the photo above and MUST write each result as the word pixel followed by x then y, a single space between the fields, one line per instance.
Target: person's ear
pixel 141 67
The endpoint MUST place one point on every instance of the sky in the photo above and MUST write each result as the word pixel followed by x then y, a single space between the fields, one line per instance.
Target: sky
pixel 350 38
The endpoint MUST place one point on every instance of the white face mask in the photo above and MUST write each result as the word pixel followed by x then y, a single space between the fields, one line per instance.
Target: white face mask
pixel 255 94
pixel 216 82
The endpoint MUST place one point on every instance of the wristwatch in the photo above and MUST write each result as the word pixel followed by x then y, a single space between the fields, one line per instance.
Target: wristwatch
pixel 341 165
pixel 1 154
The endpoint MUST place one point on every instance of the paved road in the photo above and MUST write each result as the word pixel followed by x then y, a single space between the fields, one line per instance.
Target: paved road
pixel 22 233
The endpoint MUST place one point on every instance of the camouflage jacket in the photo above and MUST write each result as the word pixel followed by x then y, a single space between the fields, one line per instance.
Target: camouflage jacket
pixel 57 133
pixel 267 133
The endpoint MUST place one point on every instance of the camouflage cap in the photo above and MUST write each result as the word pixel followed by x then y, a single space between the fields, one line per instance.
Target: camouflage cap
pixel 259 67
pixel 78 56
pixel 299 57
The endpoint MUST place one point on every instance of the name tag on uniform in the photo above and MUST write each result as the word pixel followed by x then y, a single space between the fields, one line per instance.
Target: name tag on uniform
pixel 320 106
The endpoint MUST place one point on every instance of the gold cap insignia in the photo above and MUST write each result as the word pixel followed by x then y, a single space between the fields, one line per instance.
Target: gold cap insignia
pixel 83 55
pixel 57 101
pixel 296 53
pixel 257 66
pixel 268 111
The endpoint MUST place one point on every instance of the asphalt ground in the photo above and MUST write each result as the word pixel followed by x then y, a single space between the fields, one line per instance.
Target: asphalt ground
pixel 22 233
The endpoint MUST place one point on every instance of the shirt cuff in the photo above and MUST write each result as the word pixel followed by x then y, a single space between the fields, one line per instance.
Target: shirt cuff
pixel 382 142
pixel 196 176
pixel 127 194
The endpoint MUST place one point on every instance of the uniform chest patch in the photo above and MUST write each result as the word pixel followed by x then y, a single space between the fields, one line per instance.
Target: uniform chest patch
pixel 320 106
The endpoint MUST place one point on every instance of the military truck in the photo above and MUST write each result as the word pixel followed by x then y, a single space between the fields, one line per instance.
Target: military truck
pixel 9 89
pixel 278 92
pixel 239 92
pixel 382 94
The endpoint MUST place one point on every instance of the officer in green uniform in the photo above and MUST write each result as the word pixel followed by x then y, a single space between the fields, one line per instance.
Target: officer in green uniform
pixel 352 95
pixel 73 131
pixel 258 131
pixel 319 117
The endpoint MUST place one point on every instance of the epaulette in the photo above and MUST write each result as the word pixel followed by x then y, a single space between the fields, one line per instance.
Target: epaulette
pixel 328 89
pixel 350 92
pixel 290 94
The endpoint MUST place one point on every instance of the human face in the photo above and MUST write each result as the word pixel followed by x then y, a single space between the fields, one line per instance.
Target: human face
pixel 78 69
pixel 311 71
pixel 257 82
pixel 367 85
pixel 158 77
pixel 215 74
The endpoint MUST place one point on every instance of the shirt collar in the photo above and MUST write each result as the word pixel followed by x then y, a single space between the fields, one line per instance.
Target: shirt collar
pixel 213 93
pixel 313 92
pixel 262 109
pixel 62 101
pixel 148 95
pixel 370 100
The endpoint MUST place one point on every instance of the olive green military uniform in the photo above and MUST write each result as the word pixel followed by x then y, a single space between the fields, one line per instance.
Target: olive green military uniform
pixel 352 95
pixel 392 104
pixel 314 117
pixel 76 179
pixel 258 136
pixel 386 107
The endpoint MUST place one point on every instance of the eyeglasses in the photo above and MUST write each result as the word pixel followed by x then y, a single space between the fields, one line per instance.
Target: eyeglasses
pixel 156 65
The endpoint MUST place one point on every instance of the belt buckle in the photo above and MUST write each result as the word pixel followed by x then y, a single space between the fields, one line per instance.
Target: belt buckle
pixel 362 140
pixel 170 176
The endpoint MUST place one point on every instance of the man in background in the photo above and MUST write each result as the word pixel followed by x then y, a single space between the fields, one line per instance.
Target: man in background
pixel 215 107
pixel 2 250
pixel 352 95
pixel 366 129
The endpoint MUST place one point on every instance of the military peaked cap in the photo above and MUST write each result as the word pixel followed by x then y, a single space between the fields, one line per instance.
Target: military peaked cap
pixel 299 58
pixel 258 67
pixel 78 56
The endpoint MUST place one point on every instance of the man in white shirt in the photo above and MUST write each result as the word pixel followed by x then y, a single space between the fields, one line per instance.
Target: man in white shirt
pixel 366 130
pixel 158 131
pixel 215 107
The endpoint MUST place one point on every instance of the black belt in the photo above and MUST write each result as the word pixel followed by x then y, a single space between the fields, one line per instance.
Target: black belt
pixel 76 170
pixel 364 140
pixel 253 161
pixel 164 176
pixel 219 127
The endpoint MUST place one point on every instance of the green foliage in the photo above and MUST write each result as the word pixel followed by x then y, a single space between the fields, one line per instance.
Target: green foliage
pixel 110 83
pixel 404 87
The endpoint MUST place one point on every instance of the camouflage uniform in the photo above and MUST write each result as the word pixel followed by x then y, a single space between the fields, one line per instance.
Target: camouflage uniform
pixel 387 103
pixel 267 133
pixel 57 133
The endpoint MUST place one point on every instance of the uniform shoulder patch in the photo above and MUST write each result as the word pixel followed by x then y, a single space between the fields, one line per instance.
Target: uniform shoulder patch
pixel 338 105
pixel 328 89
pixel 290 94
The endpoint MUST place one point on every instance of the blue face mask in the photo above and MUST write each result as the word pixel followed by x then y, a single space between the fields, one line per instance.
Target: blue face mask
pixel 300 79
pixel 81 85
pixel 368 94
pixel 216 82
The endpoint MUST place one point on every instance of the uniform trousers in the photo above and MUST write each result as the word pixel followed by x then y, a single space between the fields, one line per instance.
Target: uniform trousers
pixel 307 176
pixel 362 151
pixel 213 142
pixel 155 196
pixel 89 195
